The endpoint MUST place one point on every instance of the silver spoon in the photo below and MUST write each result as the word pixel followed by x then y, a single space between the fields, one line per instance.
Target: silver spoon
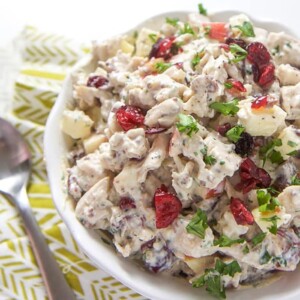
pixel 15 165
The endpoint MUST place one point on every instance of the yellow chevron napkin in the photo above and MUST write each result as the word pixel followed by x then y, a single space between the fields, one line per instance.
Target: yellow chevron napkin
pixel 46 58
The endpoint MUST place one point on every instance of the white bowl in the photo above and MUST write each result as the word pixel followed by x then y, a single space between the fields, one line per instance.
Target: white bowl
pixel 153 286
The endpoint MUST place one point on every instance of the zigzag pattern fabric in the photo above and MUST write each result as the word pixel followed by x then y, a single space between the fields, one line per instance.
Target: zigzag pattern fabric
pixel 46 58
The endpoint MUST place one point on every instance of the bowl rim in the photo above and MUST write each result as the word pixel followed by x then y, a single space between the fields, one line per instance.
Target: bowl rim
pixel 87 239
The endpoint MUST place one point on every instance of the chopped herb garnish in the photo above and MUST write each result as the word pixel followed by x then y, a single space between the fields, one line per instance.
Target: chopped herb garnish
pixel 198 224
pixel 246 250
pixel 225 241
pixel 259 238
pixel 295 180
pixel 209 160
pixel 207 30
pixel 288 44
pixel 204 150
pixel 238 52
pixel 273 228
pixel 275 50
pixel 246 29
pixel 172 21
pixel 212 278
pixel 226 108
pixel 187 124
pixel 153 37
pixel 160 67
pixel 265 258
pixel 266 201
pixel 292 153
pixel 202 10
pixel 292 144
pixel 195 61
pixel 222 162
pixel 235 132
pixel 187 29
pixel 228 85
pixel 268 152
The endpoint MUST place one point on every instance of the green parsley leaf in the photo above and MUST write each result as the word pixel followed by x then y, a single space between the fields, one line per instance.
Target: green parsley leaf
pixel 273 228
pixel 295 180
pixel 259 238
pixel 209 160
pixel 276 157
pixel 265 258
pixel 292 144
pixel 222 162
pixel 268 152
pixel 215 286
pixel 246 29
pixel 187 124
pixel 232 268
pixel 212 278
pixel 293 153
pixel 172 21
pixel 187 29
pixel 202 10
pixel 198 224
pixel 207 29
pixel 234 133
pixel 228 85
pixel 238 52
pixel 195 61
pixel 225 241
pixel 266 201
pixel 153 37
pixel 226 108
pixel 199 282
pixel 160 67
pixel 246 249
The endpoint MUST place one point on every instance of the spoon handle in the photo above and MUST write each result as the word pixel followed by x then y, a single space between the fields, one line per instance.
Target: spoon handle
pixel 56 285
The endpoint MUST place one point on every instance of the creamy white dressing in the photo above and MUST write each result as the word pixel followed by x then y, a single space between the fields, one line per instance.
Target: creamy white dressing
pixel 115 181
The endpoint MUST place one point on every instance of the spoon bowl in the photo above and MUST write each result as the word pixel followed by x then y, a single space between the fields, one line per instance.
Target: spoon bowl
pixel 15 166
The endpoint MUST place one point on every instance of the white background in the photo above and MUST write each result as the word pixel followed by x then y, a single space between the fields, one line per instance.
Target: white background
pixel 94 19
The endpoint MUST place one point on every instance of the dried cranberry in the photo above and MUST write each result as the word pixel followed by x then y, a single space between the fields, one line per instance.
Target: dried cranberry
pixel 239 42
pixel 267 76
pixel 244 146
pixel 155 130
pixel 96 81
pixel 260 102
pixel 126 203
pixel 167 207
pixel 252 177
pixel 222 129
pixel 256 73
pixel 240 212
pixel 164 48
pixel 236 87
pixel 129 117
pixel 258 54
